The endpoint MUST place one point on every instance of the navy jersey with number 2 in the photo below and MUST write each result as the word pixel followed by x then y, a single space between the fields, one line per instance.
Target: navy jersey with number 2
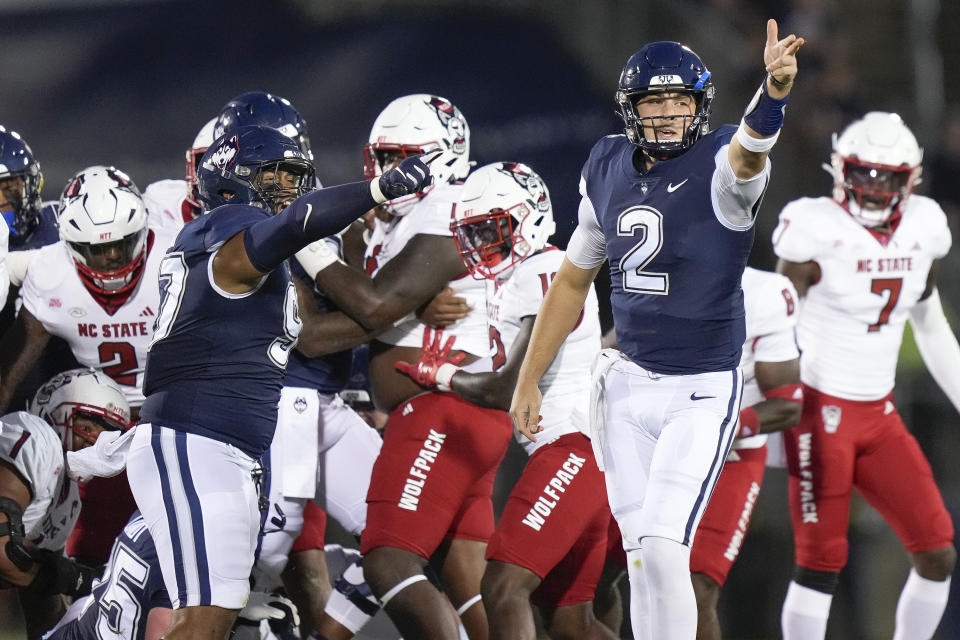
pixel 676 250
pixel 217 360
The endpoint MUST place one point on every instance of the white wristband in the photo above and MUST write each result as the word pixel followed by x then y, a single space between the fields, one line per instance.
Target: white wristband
pixel 316 256
pixel 445 375
pixel 378 196
pixel 756 145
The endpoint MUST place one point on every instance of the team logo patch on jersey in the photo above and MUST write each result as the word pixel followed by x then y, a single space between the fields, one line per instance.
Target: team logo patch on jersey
pixel 831 418
pixel 300 404
pixel 77 312
pixel 55 303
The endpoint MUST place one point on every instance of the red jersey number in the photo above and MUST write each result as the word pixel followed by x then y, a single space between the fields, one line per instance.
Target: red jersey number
pixel 879 286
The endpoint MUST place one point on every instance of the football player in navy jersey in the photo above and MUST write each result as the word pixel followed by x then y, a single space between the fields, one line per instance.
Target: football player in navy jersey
pixel 226 325
pixel 671 206
pixel 32 224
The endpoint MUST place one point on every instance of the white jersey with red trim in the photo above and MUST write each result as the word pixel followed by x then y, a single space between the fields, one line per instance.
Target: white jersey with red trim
pixel 566 384
pixel 770 301
pixel 116 344
pixel 430 216
pixel 33 448
pixel 851 321
pixel 167 206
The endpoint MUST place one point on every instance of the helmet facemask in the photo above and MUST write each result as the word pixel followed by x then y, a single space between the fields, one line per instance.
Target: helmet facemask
pixel 93 262
pixel 487 244
pixel 691 126
pixel 21 190
pixel 295 179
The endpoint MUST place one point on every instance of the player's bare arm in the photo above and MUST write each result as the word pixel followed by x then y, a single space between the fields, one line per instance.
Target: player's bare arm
pixel 494 389
pixel 421 270
pixel 803 275
pixel 325 333
pixel 780 60
pixel 20 348
pixel 777 414
pixel 558 315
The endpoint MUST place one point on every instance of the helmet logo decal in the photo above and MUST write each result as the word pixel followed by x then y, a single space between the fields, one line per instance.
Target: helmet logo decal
pixel 450 117
pixel 224 156
pixel 532 183
pixel 666 79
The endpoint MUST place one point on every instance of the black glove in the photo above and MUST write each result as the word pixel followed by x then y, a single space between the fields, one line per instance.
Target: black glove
pixel 412 175
pixel 59 574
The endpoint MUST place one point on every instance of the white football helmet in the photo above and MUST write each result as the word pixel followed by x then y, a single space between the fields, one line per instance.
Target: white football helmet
pixel 503 216
pixel 104 224
pixel 86 392
pixel 194 154
pixel 875 166
pixel 414 125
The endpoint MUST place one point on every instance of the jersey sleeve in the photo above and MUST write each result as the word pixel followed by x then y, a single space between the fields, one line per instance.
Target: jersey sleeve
pixel 525 291
pixel 227 221
pixel 939 230
pixel 735 200
pixel 793 239
pixel 779 346
pixel 31 446
pixel 587 248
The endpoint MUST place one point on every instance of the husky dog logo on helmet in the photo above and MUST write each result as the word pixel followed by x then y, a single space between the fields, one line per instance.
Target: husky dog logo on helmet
pixel 225 155
pixel 451 118
pixel 529 181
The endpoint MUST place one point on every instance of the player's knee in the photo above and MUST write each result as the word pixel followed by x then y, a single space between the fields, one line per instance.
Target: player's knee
pixel 384 567
pixel 503 582
pixel 822 581
pixel 936 564
pixel 707 591
pixel 572 622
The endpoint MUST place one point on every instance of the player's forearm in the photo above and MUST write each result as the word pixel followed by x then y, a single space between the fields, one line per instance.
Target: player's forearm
pixel 357 295
pixel 310 217
pixel 491 390
pixel 325 333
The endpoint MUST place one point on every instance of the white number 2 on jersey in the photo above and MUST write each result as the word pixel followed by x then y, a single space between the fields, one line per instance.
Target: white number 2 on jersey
pixel 649 222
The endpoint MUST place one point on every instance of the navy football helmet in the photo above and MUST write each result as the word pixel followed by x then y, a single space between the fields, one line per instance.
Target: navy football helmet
pixel 267 110
pixel 665 67
pixel 22 196
pixel 254 165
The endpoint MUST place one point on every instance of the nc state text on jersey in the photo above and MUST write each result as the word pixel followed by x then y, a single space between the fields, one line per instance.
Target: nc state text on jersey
pixel 114 329
pixel 869 265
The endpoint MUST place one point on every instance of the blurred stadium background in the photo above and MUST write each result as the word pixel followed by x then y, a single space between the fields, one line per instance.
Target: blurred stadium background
pixel 130 82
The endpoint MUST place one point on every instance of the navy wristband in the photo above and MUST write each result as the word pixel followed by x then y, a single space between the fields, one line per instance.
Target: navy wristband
pixel 764 114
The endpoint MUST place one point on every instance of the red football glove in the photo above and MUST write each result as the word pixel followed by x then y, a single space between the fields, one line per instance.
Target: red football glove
pixel 436 366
